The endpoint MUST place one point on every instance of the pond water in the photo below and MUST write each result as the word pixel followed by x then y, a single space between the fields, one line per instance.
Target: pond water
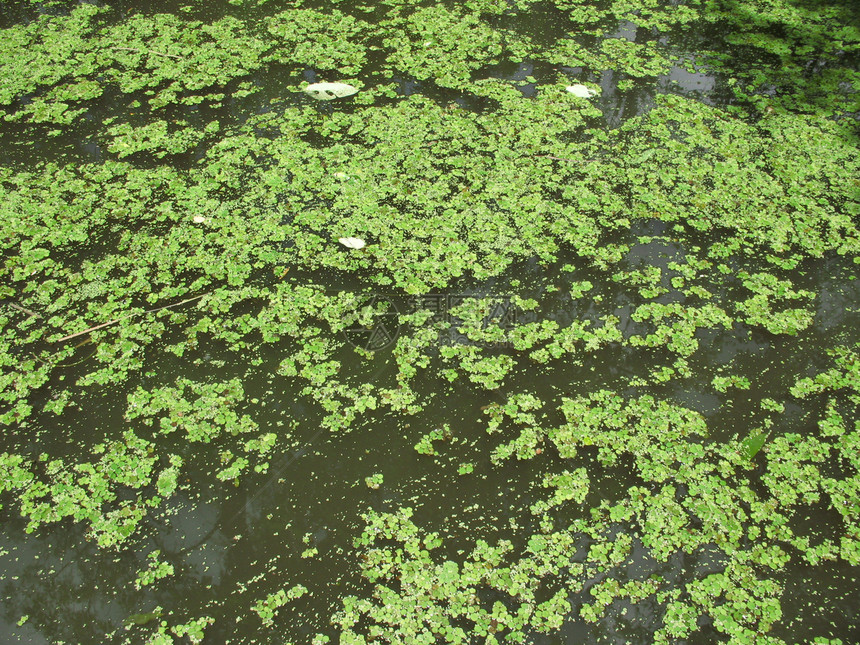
pixel 593 378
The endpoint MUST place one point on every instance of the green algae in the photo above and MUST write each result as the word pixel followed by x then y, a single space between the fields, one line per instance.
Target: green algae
pixel 587 274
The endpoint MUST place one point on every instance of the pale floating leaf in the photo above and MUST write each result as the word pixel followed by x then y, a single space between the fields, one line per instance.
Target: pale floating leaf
pixel 330 91
pixel 581 91
pixel 352 242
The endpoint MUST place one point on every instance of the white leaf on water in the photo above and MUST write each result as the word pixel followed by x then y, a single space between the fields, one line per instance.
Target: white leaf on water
pixel 351 242
pixel 581 91
pixel 330 91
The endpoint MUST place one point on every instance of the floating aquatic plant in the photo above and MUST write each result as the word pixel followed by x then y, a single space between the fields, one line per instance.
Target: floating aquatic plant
pixel 662 300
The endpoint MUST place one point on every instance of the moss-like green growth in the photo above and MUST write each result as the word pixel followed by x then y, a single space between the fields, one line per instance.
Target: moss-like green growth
pixel 618 327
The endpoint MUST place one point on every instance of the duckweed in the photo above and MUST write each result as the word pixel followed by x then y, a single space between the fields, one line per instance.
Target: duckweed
pixel 601 351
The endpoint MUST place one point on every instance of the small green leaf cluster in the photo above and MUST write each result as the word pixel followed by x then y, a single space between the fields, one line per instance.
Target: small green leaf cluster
pixel 723 383
pixel 155 138
pixel 91 491
pixel 398 559
pixel 155 570
pixel 569 486
pixel 519 409
pixel 320 40
pixel 844 375
pixel 205 417
pixel 678 336
pixel 425 443
pixel 267 609
pixel 758 310
pixel 193 629
pixel 446 45
pixel 374 481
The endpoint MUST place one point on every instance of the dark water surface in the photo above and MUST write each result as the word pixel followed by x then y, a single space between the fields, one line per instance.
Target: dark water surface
pixel 231 545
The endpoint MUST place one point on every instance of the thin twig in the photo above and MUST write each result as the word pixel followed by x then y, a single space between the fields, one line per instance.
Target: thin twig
pixel 85 358
pixel 116 320
pixel 148 51
pixel 87 331
pixel 176 304
pixel 24 309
